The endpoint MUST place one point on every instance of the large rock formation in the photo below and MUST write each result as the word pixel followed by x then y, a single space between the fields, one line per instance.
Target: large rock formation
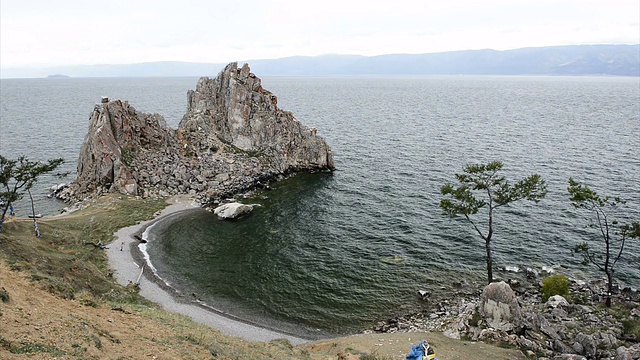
pixel 117 134
pixel 235 109
pixel 232 138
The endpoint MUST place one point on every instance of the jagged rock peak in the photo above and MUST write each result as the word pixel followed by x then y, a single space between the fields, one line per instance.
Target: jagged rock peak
pixel 235 109
pixel 116 133
pixel 233 137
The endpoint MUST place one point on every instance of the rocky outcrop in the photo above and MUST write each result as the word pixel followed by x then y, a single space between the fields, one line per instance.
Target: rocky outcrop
pixel 233 137
pixel 556 329
pixel 116 137
pixel 235 109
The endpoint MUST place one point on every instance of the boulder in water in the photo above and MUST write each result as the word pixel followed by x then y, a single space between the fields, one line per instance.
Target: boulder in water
pixel 232 210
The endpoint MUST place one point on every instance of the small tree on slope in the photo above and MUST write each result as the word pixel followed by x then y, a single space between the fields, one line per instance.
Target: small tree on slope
pixel 18 177
pixel 613 234
pixel 481 187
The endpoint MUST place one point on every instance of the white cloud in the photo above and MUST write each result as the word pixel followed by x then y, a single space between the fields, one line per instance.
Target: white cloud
pixel 43 32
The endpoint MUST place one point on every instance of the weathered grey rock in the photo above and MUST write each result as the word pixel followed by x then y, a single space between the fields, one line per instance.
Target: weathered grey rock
pixel 588 345
pixel 569 357
pixel 622 353
pixel 235 109
pixel 54 189
pixel 499 306
pixel 561 347
pixel 557 301
pixel 491 335
pixel 546 327
pixel 222 177
pixel 233 132
pixel 630 294
pixel 525 343
pixel 232 210
pixel 117 133
pixel 568 331
pixel 531 273
pixel 606 340
pixel 578 348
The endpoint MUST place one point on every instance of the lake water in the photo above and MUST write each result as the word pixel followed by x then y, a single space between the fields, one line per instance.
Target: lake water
pixel 333 253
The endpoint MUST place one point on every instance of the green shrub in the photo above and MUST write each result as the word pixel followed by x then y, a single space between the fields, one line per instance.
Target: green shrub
pixel 85 298
pixel 555 285
pixel 4 295
pixel 631 327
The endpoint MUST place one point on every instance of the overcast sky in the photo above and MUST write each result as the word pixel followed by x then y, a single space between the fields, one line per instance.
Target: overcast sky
pixel 69 32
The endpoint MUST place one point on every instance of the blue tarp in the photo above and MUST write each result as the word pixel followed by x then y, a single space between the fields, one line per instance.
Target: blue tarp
pixel 417 352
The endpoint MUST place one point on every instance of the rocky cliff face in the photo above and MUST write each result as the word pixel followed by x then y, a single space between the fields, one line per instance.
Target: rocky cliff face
pixel 235 109
pixel 233 137
pixel 117 134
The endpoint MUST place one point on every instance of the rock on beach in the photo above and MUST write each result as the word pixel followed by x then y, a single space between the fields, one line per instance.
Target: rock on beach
pixel 232 210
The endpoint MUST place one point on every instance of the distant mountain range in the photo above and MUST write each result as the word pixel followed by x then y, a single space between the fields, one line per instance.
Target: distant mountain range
pixel 621 60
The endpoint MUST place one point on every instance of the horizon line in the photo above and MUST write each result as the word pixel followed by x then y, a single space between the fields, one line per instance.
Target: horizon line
pixel 34 67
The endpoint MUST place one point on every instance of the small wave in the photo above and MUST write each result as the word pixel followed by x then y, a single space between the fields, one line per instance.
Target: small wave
pixel 512 268
pixel 145 255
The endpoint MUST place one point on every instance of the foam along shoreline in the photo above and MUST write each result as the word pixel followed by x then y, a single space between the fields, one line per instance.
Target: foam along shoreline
pixel 127 263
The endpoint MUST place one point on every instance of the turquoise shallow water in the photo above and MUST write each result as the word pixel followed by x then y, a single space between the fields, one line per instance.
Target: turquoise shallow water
pixel 337 252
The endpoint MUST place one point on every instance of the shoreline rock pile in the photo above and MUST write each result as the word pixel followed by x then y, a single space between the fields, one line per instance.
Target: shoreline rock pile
pixel 514 315
pixel 233 138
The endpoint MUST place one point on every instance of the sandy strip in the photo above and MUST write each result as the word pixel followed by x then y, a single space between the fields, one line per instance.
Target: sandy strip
pixel 127 263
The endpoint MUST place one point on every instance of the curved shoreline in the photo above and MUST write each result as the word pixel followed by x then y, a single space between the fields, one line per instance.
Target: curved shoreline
pixel 127 263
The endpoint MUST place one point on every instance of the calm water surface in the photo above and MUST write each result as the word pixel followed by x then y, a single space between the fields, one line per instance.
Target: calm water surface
pixel 337 252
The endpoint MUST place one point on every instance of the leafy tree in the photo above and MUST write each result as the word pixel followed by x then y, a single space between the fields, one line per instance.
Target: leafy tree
pixel 18 177
pixel 481 187
pixel 613 234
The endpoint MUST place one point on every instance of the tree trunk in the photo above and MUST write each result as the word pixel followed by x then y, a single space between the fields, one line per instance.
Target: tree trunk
pixel 33 212
pixel 489 261
pixel 4 213
pixel 609 287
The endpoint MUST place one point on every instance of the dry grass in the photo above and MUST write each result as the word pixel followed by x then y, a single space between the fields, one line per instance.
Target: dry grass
pixel 59 301
pixel 60 260
pixel 60 297
pixel 39 325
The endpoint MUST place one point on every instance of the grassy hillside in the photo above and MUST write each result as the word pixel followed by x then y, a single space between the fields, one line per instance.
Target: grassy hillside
pixel 61 261
pixel 58 300
pixel 63 303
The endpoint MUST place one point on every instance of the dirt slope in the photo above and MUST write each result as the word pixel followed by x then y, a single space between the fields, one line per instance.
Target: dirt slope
pixel 35 324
